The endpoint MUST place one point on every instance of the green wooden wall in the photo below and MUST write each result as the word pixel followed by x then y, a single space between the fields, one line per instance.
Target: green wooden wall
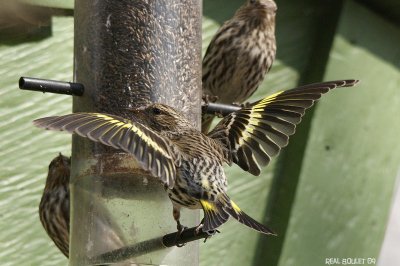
pixel 327 195
pixel 25 151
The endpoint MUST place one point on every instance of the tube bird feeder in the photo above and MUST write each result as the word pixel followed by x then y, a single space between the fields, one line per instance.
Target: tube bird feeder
pixel 128 53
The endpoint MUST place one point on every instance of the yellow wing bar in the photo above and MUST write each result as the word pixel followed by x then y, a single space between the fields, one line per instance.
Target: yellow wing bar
pixel 152 151
pixel 255 134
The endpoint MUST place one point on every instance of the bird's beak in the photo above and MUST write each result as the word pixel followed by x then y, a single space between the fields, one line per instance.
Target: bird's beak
pixel 135 110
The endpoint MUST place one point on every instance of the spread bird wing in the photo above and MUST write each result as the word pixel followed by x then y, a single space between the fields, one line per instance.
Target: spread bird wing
pixel 155 153
pixel 253 135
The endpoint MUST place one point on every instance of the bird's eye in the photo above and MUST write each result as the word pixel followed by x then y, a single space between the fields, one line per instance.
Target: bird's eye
pixel 253 1
pixel 156 111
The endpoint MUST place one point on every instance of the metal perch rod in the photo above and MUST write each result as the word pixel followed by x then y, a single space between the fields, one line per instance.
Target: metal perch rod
pixel 77 89
pixel 53 86
pixel 150 245
pixel 219 108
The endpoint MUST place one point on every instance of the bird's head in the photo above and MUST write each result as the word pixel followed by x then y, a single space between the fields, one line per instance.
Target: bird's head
pixel 161 117
pixel 259 9
pixel 59 172
pixel 268 5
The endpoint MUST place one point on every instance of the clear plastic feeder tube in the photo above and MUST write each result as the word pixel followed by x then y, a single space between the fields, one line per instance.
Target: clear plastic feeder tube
pixel 127 54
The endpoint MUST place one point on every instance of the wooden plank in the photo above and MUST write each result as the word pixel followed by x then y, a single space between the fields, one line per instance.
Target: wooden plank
pixel 64 4
pixel 25 151
pixel 389 9
pixel 298 36
pixel 349 168
pixel 355 53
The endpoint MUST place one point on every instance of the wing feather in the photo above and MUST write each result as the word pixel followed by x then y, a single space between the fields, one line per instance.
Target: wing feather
pixel 253 135
pixel 152 151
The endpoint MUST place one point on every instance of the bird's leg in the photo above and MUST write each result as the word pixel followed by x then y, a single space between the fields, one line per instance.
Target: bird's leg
pixel 209 233
pixel 209 98
pixel 219 115
pixel 246 105
pixel 177 215
pixel 242 105
pixel 199 227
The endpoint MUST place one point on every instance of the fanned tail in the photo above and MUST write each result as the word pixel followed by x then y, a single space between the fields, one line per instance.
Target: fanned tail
pixel 243 218
pixel 214 215
pixel 218 212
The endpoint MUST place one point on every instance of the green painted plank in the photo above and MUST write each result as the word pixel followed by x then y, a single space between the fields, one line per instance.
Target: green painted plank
pixel 298 36
pixel 25 151
pixel 31 151
pixel 351 161
pixel 389 9
pixel 65 4
pixel 286 176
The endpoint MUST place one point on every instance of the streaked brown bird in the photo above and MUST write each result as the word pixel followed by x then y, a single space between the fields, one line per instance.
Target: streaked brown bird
pixel 54 211
pixel 54 205
pixel 190 163
pixel 240 55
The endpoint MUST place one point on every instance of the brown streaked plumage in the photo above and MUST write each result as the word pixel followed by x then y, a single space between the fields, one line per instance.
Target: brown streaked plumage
pixel 54 211
pixel 240 55
pixel 189 163
pixel 54 205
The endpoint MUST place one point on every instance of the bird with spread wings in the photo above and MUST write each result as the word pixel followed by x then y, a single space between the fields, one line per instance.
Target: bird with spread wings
pixel 190 163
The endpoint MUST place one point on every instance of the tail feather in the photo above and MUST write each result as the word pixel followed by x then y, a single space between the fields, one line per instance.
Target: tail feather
pixel 217 213
pixel 243 218
pixel 214 215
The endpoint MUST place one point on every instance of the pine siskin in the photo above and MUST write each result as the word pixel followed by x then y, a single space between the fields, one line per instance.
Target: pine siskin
pixel 189 163
pixel 54 205
pixel 240 55
pixel 54 210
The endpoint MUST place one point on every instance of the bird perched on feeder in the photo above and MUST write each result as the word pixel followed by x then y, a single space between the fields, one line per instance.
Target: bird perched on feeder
pixel 190 163
pixel 54 210
pixel 240 55
pixel 54 205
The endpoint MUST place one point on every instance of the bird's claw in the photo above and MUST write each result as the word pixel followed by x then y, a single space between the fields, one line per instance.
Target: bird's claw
pixel 180 228
pixel 242 105
pixel 180 245
pixel 219 115
pixel 212 232
pixel 246 105
pixel 209 233
pixel 209 98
